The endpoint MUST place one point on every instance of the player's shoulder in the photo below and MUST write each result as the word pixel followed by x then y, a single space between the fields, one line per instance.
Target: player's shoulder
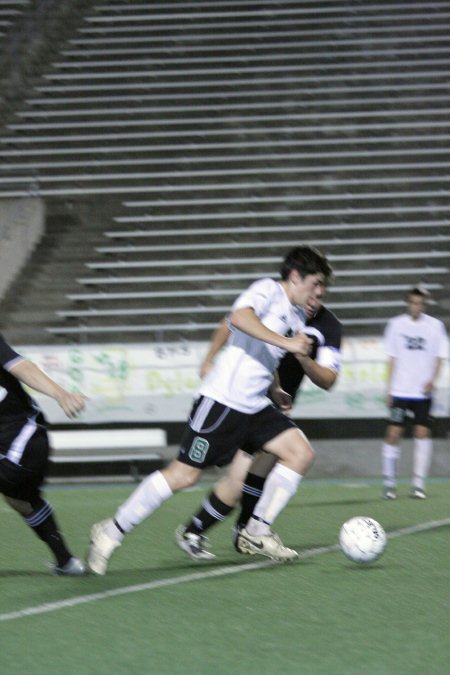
pixel 398 320
pixel 327 319
pixel 433 321
pixel 265 284
pixel 329 316
pixel 326 323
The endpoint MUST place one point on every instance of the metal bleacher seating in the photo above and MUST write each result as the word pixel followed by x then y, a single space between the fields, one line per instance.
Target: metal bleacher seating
pixel 10 13
pixel 182 148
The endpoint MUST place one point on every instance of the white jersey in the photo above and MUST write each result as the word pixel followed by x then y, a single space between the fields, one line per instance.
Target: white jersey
pixel 415 345
pixel 244 371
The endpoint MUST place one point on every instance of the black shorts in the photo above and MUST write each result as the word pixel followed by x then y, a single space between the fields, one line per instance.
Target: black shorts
pixel 420 409
pixel 23 481
pixel 215 433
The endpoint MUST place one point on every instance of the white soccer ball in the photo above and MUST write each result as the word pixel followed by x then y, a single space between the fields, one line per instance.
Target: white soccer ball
pixel 362 539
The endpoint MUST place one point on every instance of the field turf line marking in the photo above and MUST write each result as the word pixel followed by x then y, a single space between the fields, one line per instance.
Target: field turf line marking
pixel 197 576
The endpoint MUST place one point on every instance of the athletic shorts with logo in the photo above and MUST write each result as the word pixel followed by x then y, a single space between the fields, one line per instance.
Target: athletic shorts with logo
pixel 419 407
pixel 215 432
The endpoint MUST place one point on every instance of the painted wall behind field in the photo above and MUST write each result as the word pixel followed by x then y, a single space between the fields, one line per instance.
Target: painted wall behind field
pixel 155 383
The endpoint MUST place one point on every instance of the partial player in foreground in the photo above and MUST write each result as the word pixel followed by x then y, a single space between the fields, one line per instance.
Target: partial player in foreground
pixel 246 475
pixel 24 450
pixel 416 346
pixel 232 409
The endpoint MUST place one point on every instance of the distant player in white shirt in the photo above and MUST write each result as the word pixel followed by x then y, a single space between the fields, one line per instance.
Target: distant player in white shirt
pixel 416 346
pixel 232 409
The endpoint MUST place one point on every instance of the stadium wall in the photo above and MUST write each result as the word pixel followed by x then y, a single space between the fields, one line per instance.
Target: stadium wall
pixel 153 384
pixel 22 224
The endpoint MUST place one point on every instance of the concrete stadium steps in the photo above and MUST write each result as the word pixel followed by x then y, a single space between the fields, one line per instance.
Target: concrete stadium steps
pixel 11 12
pixel 296 122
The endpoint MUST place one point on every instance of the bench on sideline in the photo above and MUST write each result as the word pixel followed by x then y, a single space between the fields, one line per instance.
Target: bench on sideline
pixel 107 445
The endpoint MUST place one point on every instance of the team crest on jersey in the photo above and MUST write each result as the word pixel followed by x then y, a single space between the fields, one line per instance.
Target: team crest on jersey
pixel 198 449
pixel 416 343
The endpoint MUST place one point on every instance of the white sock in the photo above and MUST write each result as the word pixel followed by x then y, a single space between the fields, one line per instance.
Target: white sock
pixel 280 486
pixel 423 452
pixel 148 496
pixel 390 456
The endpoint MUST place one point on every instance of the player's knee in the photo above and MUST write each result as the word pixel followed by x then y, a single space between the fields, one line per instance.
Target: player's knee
pixel 24 508
pixel 300 457
pixel 421 432
pixel 393 435
pixel 180 476
pixel 308 456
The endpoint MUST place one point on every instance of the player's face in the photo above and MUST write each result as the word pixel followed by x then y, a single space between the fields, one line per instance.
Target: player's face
pixel 306 288
pixel 415 306
pixel 315 303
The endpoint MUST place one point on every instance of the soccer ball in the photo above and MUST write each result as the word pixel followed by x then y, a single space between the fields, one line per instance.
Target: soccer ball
pixel 362 539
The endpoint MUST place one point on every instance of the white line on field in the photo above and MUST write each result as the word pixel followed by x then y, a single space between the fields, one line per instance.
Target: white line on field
pixel 197 576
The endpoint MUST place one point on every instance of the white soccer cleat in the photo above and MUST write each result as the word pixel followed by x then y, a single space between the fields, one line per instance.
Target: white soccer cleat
pixel 269 545
pixel 418 493
pixel 101 548
pixel 389 493
pixel 194 545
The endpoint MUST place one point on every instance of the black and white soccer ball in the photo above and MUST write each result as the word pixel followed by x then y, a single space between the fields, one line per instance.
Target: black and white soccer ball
pixel 362 539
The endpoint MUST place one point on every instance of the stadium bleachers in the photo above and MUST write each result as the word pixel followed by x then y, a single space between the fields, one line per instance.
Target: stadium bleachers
pixel 11 12
pixel 182 148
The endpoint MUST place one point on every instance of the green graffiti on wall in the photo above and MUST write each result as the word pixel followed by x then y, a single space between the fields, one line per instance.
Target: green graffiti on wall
pixel 170 383
pixel 116 369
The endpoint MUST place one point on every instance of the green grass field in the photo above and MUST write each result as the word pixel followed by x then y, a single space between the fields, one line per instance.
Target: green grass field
pixel 159 612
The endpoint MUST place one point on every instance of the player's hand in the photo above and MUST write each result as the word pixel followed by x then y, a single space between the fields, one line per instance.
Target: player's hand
pixel 428 388
pixel 282 399
pixel 205 367
pixel 300 344
pixel 72 404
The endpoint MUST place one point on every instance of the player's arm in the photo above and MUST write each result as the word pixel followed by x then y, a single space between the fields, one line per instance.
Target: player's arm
pixel 246 320
pixel 282 399
pixel 389 371
pixel 429 386
pixel 218 340
pixel 30 374
pixel 322 376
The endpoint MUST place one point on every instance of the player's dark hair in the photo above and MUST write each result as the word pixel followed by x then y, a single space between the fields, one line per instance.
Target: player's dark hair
pixel 306 260
pixel 420 291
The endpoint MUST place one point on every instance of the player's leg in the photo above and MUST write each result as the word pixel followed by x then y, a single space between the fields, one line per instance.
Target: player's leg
pixel 391 449
pixel 20 487
pixel 224 496
pixel 39 516
pixel 155 489
pixel 423 448
pixel 295 456
pixel 253 485
pixel 200 447
pixel 215 508
pixel 214 438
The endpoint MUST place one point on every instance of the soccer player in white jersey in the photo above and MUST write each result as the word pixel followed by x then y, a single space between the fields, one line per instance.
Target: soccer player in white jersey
pixel 232 409
pixel 244 479
pixel 416 346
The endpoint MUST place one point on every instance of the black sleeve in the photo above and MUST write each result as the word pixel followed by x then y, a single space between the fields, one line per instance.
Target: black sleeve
pixel 290 373
pixel 7 353
pixel 328 326
pixel 326 331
